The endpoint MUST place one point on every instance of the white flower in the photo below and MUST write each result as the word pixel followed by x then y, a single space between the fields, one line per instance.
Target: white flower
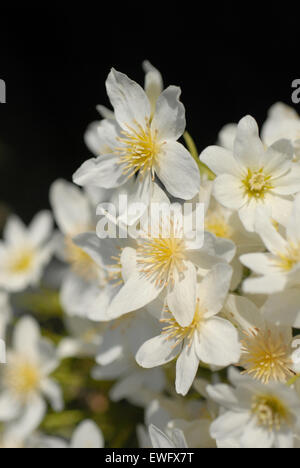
pixel 142 143
pixel 266 347
pixel 25 380
pixel 208 338
pixel 174 439
pixel 165 263
pixel 24 252
pixel 279 268
pixel 97 135
pixel 253 176
pixel 256 415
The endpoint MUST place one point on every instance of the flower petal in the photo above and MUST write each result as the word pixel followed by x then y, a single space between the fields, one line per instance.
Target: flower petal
pixel 157 352
pixel 178 171
pixel 104 171
pixel 220 161
pixel 128 99
pixel 169 117
pixel 218 343
pixel 182 298
pixel 186 368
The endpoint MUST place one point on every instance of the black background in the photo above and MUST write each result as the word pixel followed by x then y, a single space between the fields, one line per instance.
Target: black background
pixel 229 61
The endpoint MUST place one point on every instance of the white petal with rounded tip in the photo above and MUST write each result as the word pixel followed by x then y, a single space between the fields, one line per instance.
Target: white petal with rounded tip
pixel 128 262
pixel 169 117
pixel 218 343
pixel 70 206
pixel 227 135
pixel 128 99
pixel 14 230
pixel 248 148
pixel 182 298
pixel 220 161
pixel 186 368
pixel 213 289
pixel 87 435
pixel 104 171
pixel 26 336
pixel 178 171
pixel 137 292
pixel 260 263
pixel 153 83
pixel 40 228
pixel 157 352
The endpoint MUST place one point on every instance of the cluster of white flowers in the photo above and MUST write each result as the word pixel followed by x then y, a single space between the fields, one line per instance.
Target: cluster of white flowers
pixel 199 330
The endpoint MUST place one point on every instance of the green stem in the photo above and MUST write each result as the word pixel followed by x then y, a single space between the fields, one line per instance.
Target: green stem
pixel 194 152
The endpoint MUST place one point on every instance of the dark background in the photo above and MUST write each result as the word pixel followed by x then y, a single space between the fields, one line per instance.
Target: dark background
pixel 229 62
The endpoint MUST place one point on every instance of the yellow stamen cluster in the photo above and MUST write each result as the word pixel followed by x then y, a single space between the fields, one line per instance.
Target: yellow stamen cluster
pixel 288 260
pixel 161 258
pixel 257 184
pixel 22 377
pixel 21 261
pixel 217 224
pixel 139 149
pixel 271 413
pixel 266 356
pixel 173 331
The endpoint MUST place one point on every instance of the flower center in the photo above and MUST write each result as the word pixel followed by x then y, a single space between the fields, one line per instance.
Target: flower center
pixel 266 356
pixel 22 377
pixel 172 330
pixel 216 224
pixel 139 149
pixel 271 413
pixel 21 261
pixel 288 260
pixel 161 258
pixel 257 184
